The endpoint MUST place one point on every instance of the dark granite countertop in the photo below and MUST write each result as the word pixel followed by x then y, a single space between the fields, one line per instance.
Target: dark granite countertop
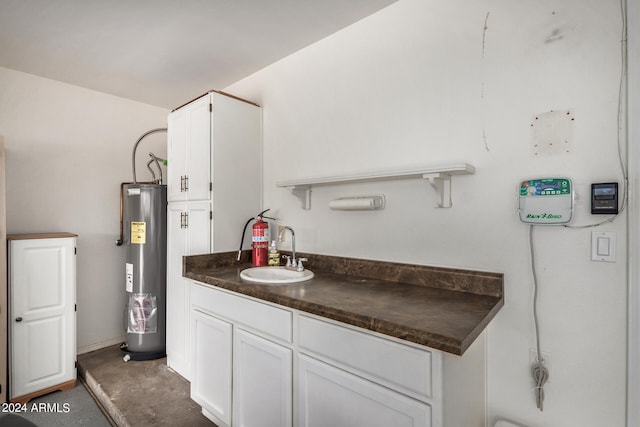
pixel 442 308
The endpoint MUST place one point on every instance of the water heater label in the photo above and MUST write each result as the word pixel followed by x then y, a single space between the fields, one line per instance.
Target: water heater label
pixel 138 232
pixel 143 314
pixel 129 277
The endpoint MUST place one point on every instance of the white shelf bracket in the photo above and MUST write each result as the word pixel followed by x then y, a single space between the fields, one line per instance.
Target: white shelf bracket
pixel 302 192
pixel 441 183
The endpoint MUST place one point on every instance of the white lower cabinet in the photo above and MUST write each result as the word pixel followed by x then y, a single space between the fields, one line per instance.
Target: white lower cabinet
pixel 188 228
pixel 257 364
pixel 211 341
pixel 409 370
pixel 329 396
pixel 42 323
pixel 241 378
pixel 262 379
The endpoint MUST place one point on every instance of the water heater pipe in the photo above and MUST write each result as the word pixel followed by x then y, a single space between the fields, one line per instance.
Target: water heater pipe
pixel 135 147
pixel 157 160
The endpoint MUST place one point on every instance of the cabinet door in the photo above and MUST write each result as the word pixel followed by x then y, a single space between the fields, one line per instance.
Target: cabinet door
pixel 42 277
pixel 211 341
pixel 188 233
pixel 199 149
pixel 331 397
pixel 178 302
pixel 406 369
pixel 262 382
pixel 198 228
pixel 176 154
pixel 189 152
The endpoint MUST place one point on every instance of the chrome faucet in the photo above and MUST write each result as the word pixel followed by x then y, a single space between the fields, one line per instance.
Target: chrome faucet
pixel 293 262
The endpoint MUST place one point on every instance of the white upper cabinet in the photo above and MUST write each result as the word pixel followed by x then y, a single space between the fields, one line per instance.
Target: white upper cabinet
pixel 214 153
pixel 189 152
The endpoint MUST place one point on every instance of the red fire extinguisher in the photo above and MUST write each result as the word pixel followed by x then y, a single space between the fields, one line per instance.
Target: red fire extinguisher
pixel 260 243
pixel 259 240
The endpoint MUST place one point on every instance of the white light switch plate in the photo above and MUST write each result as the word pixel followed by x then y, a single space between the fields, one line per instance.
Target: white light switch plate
pixel 603 246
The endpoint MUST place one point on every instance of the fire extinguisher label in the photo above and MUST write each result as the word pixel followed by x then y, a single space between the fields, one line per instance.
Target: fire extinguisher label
pixel 261 235
pixel 138 232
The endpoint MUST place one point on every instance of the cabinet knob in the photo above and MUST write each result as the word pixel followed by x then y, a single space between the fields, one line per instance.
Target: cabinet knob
pixel 18 319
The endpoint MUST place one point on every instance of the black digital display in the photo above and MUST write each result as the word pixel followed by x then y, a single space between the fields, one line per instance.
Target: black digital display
pixel 604 198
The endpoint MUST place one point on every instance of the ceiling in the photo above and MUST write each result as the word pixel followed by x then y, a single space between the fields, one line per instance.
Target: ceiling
pixel 164 52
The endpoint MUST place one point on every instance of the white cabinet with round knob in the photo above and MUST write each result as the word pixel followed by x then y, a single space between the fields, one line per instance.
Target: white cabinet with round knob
pixel 42 314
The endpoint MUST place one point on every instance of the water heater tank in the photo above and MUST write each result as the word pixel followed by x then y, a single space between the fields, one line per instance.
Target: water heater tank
pixel 145 236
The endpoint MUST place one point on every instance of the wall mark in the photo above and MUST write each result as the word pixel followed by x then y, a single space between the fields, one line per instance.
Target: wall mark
pixel 485 27
pixel 554 37
pixel 552 133
pixel 484 33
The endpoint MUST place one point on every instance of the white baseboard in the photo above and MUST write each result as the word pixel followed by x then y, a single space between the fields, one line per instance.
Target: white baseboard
pixel 101 344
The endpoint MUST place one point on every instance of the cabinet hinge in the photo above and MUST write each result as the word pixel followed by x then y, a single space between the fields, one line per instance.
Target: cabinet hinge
pixel 210 107
pixel 210 186
pixel 76 364
pixel 75 251
pixel 75 307
pixel 210 214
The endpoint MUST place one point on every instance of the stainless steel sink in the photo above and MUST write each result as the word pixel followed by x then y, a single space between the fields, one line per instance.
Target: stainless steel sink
pixel 275 275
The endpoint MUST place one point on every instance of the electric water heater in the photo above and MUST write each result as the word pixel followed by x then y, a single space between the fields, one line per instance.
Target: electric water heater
pixel 145 236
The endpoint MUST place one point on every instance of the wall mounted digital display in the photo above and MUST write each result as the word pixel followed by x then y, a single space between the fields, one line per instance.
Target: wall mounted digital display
pixel 604 198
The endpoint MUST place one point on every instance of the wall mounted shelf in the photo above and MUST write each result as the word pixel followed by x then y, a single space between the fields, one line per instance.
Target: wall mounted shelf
pixel 439 178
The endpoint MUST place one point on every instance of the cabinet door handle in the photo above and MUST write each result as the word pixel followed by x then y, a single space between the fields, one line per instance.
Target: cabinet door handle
pixel 186 183
pixel 182 183
pixel 18 319
pixel 184 219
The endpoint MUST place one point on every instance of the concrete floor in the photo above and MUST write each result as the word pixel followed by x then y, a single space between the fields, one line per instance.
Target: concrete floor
pixel 139 393
pixel 69 408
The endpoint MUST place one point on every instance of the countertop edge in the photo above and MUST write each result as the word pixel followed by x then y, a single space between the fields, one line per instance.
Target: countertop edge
pixel 416 336
pixel 471 281
pixel 457 346
pixel 30 236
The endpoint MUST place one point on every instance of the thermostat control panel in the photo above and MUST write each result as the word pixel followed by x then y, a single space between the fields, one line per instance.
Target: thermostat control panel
pixel 546 201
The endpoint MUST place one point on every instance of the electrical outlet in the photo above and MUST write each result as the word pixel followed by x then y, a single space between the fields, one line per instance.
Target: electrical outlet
pixel 284 235
pixel 546 360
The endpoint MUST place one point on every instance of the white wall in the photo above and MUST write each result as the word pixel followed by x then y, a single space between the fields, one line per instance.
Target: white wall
pixel 633 362
pixel 425 82
pixel 67 151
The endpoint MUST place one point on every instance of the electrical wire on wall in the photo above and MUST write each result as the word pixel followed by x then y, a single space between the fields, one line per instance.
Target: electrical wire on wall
pixel 623 142
pixel 539 372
